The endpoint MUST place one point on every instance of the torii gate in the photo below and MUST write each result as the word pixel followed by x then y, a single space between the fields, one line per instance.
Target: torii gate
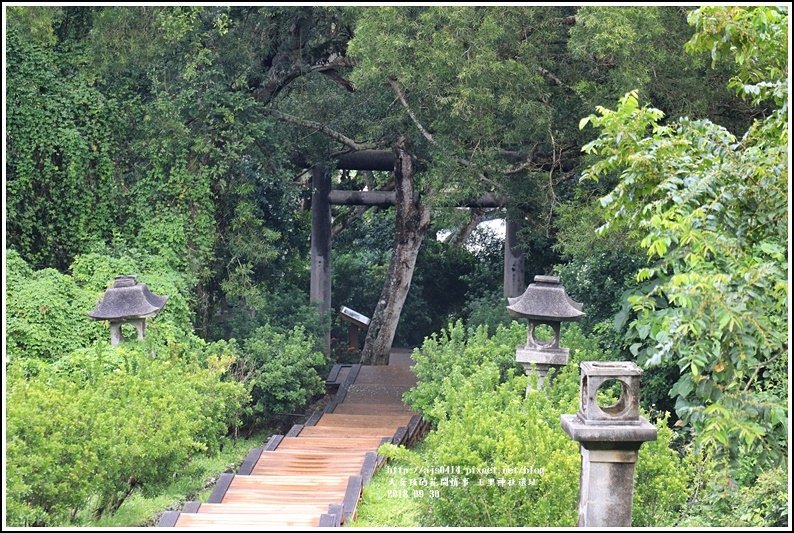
pixel 323 197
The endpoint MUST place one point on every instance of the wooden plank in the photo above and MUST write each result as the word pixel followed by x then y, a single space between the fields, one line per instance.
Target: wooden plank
pixel 368 467
pixel 363 421
pixel 371 393
pixel 386 375
pixel 372 409
pixel 309 453
pixel 223 521
pixel 191 507
pixel 264 509
pixel 382 459
pixel 221 486
pixel 399 435
pixel 344 432
pixel 292 482
pixel 310 464
pixel 314 418
pixel 352 495
pixel 400 357
pixel 329 520
pixel 272 443
pixel 331 406
pixel 350 379
pixel 250 461
pixel 413 428
pixel 335 509
pixel 333 374
pixel 323 443
pixel 168 519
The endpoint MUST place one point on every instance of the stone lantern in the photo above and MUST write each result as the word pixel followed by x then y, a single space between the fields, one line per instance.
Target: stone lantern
pixel 609 440
pixel 543 303
pixel 127 302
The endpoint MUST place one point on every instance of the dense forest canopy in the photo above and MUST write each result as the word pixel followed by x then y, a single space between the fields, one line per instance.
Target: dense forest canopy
pixel 176 143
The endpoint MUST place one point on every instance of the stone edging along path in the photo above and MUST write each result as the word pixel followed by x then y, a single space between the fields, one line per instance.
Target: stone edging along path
pixel 313 475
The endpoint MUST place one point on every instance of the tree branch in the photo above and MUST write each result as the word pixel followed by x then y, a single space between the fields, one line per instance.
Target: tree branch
pixel 557 81
pixel 459 236
pixel 333 134
pixel 343 82
pixel 401 96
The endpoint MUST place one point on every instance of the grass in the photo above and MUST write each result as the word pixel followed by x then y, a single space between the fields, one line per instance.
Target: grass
pixel 195 482
pixel 380 504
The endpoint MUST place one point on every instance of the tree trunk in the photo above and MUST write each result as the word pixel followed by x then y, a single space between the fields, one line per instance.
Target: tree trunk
pixel 411 225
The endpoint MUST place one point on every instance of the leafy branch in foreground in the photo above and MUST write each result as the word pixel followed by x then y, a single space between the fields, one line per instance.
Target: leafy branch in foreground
pixel 712 212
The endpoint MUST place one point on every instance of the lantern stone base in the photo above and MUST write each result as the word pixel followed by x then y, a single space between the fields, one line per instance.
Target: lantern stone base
pixel 541 360
pixel 609 454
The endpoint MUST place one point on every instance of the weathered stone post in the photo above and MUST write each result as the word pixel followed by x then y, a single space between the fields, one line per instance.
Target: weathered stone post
pixel 610 438
pixel 544 302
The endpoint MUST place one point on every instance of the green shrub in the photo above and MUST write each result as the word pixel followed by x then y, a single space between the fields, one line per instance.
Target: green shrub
pixel 281 369
pixel 95 272
pixel 96 431
pixel 46 313
pixel 489 310
pixel 483 420
pixel 720 502
pixel 452 356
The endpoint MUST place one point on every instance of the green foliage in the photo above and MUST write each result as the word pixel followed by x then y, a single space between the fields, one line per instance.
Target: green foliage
pixel 60 171
pixel 46 313
pixel 720 502
pixel 120 421
pixel 712 212
pixel 379 506
pixel 282 370
pixel 88 424
pixel 192 483
pixel 599 268
pixel 452 356
pixel 95 271
pixel 484 421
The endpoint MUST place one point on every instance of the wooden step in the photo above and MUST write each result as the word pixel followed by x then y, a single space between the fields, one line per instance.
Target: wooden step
pixel 375 393
pixel 298 454
pixel 269 495
pixel 363 421
pixel 264 509
pixel 342 432
pixel 391 375
pixel 293 482
pixel 379 409
pixel 234 521
pixel 324 464
pixel 275 489
pixel 318 465
pixel 307 443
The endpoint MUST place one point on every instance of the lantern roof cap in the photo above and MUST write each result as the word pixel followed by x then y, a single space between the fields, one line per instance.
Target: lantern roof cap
pixel 127 299
pixel 545 299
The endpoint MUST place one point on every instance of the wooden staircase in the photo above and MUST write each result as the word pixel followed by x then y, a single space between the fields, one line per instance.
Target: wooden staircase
pixel 313 475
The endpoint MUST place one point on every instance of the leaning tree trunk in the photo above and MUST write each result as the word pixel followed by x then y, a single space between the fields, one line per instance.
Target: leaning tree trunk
pixel 411 225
